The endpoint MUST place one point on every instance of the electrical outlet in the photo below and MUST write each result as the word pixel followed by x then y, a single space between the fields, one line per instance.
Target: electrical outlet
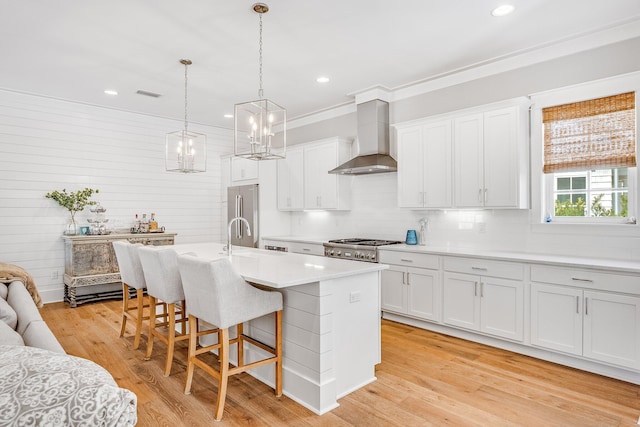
pixel 54 275
pixel 354 296
pixel 482 227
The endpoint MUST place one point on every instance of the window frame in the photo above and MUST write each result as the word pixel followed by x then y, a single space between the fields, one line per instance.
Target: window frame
pixel 542 185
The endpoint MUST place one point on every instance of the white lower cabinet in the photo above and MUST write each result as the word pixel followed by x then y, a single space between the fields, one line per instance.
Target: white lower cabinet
pixel 482 302
pixel 409 289
pixel 599 325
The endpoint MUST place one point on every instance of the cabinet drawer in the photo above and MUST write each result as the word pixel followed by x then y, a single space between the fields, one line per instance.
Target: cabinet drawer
pixel 306 248
pixel 482 267
pixel 410 259
pixel 586 279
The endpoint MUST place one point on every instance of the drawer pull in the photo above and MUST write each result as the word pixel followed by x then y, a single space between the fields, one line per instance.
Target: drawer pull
pixel 406 260
pixel 577 305
pixel 586 306
pixel 404 278
pixel 408 275
pixel 577 279
pixel 306 249
pixel 475 289
pixel 479 268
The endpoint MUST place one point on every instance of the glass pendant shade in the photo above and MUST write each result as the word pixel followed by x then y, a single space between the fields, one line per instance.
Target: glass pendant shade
pixel 260 130
pixel 186 152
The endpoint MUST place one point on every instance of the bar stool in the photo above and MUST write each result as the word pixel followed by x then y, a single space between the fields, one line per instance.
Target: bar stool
pixel 217 294
pixel 160 267
pixel 132 276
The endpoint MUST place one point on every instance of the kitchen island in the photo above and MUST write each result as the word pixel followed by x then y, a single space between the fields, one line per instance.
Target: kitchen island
pixel 331 320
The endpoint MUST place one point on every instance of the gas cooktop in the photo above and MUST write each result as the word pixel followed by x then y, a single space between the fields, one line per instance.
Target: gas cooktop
pixel 364 242
pixel 356 248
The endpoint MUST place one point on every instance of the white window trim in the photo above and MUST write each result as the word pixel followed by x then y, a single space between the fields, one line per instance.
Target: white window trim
pixel 541 184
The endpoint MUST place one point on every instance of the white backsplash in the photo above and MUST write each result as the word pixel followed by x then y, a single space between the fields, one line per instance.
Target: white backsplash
pixel 375 214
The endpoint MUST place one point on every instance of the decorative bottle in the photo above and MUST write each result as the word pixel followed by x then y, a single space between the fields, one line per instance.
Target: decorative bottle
pixel 153 224
pixel 144 224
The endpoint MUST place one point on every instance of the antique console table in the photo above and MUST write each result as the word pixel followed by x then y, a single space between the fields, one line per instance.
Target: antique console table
pixel 91 270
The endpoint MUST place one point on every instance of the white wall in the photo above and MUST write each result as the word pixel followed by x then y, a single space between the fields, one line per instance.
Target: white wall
pixel 375 212
pixel 48 144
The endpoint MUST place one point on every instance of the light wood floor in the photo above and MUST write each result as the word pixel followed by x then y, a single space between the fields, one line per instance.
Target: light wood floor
pixel 424 379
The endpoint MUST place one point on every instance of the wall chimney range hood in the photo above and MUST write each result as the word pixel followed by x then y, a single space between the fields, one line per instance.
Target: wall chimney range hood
pixel 373 137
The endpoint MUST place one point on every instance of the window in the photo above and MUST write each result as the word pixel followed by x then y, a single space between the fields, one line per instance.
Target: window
pixel 590 157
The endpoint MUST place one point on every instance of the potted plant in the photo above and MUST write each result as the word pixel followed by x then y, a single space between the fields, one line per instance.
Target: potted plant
pixel 74 202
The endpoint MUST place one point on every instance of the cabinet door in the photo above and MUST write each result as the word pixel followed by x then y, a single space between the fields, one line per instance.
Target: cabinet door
pixel 437 165
pixel 501 158
pixel 243 169
pixel 461 306
pixel 320 186
pixel 469 182
pixel 393 290
pixel 502 307
pixel 423 299
pixel 612 328
pixel 290 181
pixel 556 318
pixel 410 168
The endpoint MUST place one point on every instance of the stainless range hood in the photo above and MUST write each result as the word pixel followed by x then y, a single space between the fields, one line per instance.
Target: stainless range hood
pixel 373 136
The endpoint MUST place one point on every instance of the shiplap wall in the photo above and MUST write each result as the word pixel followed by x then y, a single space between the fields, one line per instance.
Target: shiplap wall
pixel 48 144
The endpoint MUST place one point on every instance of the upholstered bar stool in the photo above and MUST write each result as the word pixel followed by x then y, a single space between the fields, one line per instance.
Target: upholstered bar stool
pixel 132 276
pixel 217 294
pixel 160 267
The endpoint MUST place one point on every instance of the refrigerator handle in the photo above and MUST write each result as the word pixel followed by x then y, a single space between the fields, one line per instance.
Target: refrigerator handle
pixel 237 213
pixel 240 214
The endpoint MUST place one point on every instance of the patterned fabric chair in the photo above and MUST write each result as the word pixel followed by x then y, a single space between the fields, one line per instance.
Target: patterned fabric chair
pixel 217 294
pixel 160 267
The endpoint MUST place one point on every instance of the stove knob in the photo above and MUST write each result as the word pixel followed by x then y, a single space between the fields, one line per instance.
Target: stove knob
pixel 331 252
pixel 339 253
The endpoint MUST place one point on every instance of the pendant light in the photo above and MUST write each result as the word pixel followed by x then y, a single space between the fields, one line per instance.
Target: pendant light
pixel 186 150
pixel 260 125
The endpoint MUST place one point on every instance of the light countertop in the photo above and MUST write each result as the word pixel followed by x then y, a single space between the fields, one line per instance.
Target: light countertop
pixel 560 260
pixel 281 269
pixel 628 266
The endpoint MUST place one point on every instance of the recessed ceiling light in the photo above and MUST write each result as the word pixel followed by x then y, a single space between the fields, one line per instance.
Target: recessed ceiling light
pixel 322 79
pixel 503 10
pixel 111 92
pixel 228 116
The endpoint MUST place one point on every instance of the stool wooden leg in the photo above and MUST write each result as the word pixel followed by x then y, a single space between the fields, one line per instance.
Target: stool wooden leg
pixel 193 339
pixel 224 373
pixel 171 338
pixel 152 326
pixel 240 330
pixel 183 312
pixel 278 353
pixel 125 307
pixel 140 300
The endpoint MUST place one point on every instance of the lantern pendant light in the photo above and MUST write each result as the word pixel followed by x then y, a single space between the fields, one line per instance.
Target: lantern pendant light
pixel 186 151
pixel 260 126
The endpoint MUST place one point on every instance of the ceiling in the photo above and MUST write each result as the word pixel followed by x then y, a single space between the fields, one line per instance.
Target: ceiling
pixel 75 49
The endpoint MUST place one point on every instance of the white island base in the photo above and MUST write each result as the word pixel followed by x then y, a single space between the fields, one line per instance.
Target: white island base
pixel 331 321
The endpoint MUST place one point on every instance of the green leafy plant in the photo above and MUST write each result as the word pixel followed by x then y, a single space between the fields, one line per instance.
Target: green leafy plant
pixel 73 201
pixel 568 208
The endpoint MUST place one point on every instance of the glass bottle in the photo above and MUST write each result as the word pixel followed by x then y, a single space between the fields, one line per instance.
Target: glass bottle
pixel 153 224
pixel 144 224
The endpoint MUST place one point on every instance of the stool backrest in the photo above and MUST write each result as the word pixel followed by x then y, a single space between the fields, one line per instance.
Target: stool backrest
pixel 129 264
pixel 160 267
pixel 215 292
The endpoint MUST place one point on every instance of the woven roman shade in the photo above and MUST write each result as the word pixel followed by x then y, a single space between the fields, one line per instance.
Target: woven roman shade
pixel 594 134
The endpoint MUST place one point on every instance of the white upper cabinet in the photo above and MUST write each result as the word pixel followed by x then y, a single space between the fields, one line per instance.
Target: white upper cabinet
pixel 244 171
pixel 291 181
pixel 478 158
pixel 469 181
pixel 487 161
pixel 304 181
pixel 424 166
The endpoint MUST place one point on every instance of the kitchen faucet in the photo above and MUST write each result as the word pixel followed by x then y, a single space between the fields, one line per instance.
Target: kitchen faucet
pixel 238 218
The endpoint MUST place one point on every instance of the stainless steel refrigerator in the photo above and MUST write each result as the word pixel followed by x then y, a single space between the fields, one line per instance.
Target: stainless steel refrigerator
pixel 243 202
